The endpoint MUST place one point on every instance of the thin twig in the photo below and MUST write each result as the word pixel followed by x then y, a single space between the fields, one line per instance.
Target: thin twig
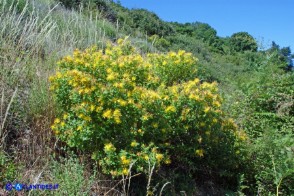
pixel 150 172
pixel 120 182
pixel 163 188
pixel 6 114
pixel 1 106
pixel 130 174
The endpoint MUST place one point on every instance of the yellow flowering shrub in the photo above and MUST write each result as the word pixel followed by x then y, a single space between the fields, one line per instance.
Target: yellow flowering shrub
pixel 134 110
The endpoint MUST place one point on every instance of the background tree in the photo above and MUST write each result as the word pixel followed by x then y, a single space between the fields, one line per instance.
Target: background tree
pixel 286 51
pixel 243 41
pixel 287 57
pixel 149 23
pixel 204 31
pixel 275 47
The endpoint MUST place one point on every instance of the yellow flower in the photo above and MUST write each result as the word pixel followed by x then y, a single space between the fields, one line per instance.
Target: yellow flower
pixel 75 71
pixel 81 91
pixel 98 109
pixel 170 109
pixel 62 124
pixel 117 115
pixel 242 135
pixel 51 78
pixel 166 98
pixel 118 85
pixel 131 101
pixel 120 41
pixel 145 117
pixel 196 81
pixel 172 54
pixel 147 64
pixel 217 104
pixel 87 118
pixel 93 88
pixel 121 64
pixel 92 108
pixel 195 97
pixel 109 147
pixel 126 75
pixel 208 94
pixel 181 52
pixel 134 144
pixel 206 109
pixel 122 102
pixel 159 157
pixel 167 161
pixel 84 79
pixel 81 115
pixel 65 116
pixel 125 171
pixel 87 90
pixel 146 157
pixel 57 120
pixel 79 128
pixel 200 152
pixel 206 85
pixel 107 114
pixel 199 140
pixel 76 52
pixel 124 160
pixel 230 120
pixel 110 77
pixel 108 52
pixel 177 61
pixel 58 75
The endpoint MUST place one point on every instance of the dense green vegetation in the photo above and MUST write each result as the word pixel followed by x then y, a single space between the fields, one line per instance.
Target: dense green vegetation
pixel 237 140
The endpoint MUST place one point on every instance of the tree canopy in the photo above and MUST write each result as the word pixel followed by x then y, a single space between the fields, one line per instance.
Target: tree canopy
pixel 243 41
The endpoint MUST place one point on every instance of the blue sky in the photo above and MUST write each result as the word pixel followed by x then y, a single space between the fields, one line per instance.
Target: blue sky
pixel 266 20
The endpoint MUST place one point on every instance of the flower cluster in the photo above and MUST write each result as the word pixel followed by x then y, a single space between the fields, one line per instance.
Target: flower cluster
pixel 130 110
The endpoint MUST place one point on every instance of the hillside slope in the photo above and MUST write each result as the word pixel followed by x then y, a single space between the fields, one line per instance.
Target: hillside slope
pixel 257 88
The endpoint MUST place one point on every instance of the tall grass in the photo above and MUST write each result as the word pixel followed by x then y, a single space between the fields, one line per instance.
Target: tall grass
pixel 34 34
pixel 44 26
